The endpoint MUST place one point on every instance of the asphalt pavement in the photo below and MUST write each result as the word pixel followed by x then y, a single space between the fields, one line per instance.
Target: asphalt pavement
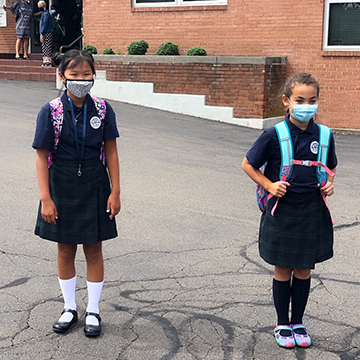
pixel 184 279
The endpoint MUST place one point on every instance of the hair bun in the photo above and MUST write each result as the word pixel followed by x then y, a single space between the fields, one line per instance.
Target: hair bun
pixel 56 59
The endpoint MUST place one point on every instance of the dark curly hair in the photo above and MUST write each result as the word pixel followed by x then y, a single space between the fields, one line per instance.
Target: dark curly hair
pixel 73 58
pixel 299 78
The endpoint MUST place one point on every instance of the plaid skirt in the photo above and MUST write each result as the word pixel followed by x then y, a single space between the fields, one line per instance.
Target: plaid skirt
pixel 299 234
pixel 81 203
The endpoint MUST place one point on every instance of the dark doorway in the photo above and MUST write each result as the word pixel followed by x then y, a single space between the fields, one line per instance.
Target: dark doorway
pixel 71 10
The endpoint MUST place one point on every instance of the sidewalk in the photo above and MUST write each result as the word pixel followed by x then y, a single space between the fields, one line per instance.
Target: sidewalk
pixel 183 280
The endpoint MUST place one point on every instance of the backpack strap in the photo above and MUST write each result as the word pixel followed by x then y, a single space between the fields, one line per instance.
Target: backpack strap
pixel 286 150
pixel 57 117
pixel 101 109
pixel 287 155
pixel 323 151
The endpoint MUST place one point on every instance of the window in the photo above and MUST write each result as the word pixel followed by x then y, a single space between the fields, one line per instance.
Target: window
pixel 341 25
pixel 159 3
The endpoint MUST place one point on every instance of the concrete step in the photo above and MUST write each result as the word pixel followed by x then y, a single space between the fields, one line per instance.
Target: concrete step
pixel 28 70
pixel 12 56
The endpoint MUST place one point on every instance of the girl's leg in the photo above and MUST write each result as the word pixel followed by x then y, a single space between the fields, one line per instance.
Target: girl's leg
pixel 94 261
pixel 17 47
pixel 95 279
pixel 67 278
pixel 281 294
pixel 299 294
pixel 26 47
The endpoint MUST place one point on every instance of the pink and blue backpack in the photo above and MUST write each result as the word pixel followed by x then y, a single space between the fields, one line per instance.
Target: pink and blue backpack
pixel 57 115
pixel 287 162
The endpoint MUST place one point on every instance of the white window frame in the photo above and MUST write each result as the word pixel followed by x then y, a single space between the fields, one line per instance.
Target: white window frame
pixel 327 47
pixel 177 3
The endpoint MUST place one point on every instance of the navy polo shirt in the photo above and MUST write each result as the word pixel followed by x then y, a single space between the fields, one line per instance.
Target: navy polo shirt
pixel 44 133
pixel 267 149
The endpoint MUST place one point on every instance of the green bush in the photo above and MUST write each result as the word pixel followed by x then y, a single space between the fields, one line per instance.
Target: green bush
pixel 196 51
pixel 90 49
pixel 168 48
pixel 108 52
pixel 138 47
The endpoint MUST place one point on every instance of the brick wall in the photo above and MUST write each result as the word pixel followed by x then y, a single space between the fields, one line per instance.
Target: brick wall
pixel 8 34
pixel 241 28
pixel 249 85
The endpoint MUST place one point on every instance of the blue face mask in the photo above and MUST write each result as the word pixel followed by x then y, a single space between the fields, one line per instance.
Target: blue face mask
pixel 53 11
pixel 304 112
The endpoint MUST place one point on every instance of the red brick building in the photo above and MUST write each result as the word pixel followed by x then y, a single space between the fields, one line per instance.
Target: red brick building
pixel 317 36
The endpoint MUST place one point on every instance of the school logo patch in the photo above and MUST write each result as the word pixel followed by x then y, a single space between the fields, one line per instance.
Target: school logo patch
pixel 95 122
pixel 314 147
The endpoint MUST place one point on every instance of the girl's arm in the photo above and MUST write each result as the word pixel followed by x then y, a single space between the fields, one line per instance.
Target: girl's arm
pixel 328 188
pixel 112 160
pixel 277 189
pixel 48 208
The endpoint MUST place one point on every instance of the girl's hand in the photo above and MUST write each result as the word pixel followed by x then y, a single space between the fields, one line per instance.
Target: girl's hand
pixel 49 211
pixel 113 205
pixel 328 189
pixel 278 188
pixel 41 38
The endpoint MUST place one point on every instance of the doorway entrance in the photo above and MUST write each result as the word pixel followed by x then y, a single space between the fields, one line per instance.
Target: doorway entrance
pixel 71 11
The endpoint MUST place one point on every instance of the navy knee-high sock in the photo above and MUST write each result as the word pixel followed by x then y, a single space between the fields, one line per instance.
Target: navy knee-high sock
pixel 300 290
pixel 281 295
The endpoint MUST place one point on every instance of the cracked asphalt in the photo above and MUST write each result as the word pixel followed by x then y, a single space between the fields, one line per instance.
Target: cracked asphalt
pixel 184 279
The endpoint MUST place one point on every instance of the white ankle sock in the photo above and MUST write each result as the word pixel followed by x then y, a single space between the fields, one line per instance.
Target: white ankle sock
pixel 68 290
pixel 94 292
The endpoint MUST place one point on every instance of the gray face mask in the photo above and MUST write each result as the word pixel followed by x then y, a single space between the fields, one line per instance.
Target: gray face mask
pixel 79 88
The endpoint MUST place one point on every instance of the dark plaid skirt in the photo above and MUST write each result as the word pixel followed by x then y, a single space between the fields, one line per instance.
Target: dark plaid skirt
pixel 81 204
pixel 299 235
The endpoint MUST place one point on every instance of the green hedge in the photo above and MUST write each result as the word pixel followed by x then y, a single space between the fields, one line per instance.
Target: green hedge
pixel 138 47
pixel 108 52
pixel 196 51
pixel 168 48
pixel 90 49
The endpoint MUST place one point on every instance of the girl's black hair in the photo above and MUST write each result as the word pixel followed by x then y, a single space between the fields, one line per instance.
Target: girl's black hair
pixel 302 79
pixel 73 57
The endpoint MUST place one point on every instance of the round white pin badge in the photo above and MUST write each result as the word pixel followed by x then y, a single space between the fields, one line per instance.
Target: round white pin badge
pixel 314 147
pixel 95 122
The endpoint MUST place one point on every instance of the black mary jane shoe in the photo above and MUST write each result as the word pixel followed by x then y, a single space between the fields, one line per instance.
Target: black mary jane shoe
pixel 92 330
pixel 63 326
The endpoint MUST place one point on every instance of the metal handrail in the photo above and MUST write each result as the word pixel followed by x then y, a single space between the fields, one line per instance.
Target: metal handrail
pixel 70 45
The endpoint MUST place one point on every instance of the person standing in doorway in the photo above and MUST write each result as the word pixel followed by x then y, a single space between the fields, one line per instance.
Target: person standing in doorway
pixel 46 33
pixel 59 28
pixel 22 10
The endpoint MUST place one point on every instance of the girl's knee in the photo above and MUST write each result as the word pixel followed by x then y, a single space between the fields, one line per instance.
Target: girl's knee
pixel 93 252
pixel 282 274
pixel 66 252
pixel 302 274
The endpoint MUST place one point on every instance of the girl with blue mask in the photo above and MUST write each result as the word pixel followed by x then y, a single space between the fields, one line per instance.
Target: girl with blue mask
pixel 302 104
pixel 300 233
